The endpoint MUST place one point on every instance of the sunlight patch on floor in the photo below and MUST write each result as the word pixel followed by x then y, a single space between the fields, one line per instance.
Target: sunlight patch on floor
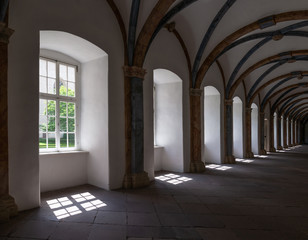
pixel 173 178
pixel 218 167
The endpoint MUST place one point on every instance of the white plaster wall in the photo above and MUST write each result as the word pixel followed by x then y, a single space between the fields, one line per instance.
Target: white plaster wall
pixel 61 170
pixel 212 132
pixel 288 142
pixel 94 134
pixel 282 136
pixel 169 125
pixel 158 158
pixel 275 130
pixel 254 129
pixel 237 127
pixel 23 87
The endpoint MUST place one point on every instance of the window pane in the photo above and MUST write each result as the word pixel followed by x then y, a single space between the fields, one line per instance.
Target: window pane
pixel 43 67
pixel 63 109
pixel 63 88
pixel 71 125
pixel 71 109
pixel 43 85
pixel 71 74
pixel 42 140
pixel 51 86
pixel 51 108
pixel 43 105
pixel 71 140
pixel 63 72
pixel 43 123
pixel 63 127
pixel 71 89
pixel 51 140
pixel 51 124
pixel 51 69
pixel 63 140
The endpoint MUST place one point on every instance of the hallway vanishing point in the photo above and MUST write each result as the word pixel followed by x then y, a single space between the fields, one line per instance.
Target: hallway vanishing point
pixel 261 198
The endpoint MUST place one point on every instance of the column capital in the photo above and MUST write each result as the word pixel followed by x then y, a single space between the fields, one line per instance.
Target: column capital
pixel 196 92
pixel 134 71
pixel 5 33
pixel 228 101
pixel 248 109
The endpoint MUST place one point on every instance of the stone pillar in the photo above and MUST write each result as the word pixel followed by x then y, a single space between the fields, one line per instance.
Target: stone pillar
pixel 278 124
pixel 8 207
pixel 302 135
pixel 289 135
pixel 228 131
pixel 196 164
pixel 248 153
pixel 293 133
pixel 262 147
pixel 285 144
pixel 137 177
pixel 271 137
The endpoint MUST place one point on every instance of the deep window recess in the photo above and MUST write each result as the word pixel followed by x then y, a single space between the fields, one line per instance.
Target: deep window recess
pixel 57 120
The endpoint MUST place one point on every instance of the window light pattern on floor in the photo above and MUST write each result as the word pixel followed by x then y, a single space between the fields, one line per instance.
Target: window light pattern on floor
pixel 218 167
pixel 65 207
pixel 244 160
pixel 173 178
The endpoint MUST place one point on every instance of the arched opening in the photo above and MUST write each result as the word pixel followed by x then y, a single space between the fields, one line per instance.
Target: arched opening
pixel 281 133
pixel 237 127
pixel 306 133
pixel 212 131
pixel 275 130
pixel 292 130
pixel 254 129
pixel 168 121
pixel 75 168
pixel 288 132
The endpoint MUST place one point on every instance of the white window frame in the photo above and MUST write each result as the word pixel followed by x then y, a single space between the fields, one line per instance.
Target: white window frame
pixel 58 98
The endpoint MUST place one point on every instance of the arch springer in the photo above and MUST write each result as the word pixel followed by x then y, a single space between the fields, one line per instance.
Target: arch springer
pixel 134 71
pixel 5 33
pixel 196 92
pixel 229 101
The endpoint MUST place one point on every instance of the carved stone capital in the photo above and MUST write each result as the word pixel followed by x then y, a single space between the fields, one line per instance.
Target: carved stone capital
pixel 278 36
pixel 228 102
pixel 134 71
pixel 170 26
pixel 8 208
pixel 197 167
pixel 248 109
pixel 136 180
pixel 196 92
pixel 5 33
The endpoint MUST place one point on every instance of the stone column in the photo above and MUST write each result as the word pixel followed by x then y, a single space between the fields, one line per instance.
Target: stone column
pixel 285 144
pixel 278 124
pixel 248 153
pixel 289 136
pixel 228 131
pixel 262 147
pixel 293 134
pixel 271 137
pixel 302 135
pixel 196 164
pixel 137 177
pixel 8 207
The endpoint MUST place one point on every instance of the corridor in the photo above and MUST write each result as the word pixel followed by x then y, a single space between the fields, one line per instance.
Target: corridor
pixel 261 198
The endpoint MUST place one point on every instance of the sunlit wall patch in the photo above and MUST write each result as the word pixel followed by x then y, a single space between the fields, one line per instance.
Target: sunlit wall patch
pixel 173 178
pixel 75 204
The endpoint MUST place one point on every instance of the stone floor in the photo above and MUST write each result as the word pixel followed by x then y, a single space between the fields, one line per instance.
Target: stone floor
pixel 261 198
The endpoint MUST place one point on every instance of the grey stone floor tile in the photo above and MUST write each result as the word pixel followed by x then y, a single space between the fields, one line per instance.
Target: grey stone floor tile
pixel 84 217
pixel 217 234
pixel 238 222
pixel 139 207
pixel 173 219
pixel 100 232
pixel 113 218
pixel 34 229
pixel 192 208
pixel 71 231
pixel 143 219
pixel 209 221
pixel 167 208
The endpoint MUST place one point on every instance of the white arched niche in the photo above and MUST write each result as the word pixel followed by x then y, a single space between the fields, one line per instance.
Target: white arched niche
pixel 281 132
pixel 254 129
pixel 212 131
pixel 288 142
pixel 237 127
pixel 64 170
pixel 168 121
pixel 275 130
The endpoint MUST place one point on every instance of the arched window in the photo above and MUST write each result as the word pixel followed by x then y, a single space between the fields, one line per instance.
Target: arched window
pixel 237 127
pixel 254 129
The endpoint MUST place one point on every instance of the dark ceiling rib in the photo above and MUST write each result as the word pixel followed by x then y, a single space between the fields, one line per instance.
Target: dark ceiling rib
pixel 289 102
pixel 171 13
pixel 260 24
pixel 257 47
pixel 293 111
pixel 132 30
pixel 292 96
pixel 207 37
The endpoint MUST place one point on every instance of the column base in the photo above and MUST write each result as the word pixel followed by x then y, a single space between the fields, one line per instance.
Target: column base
pixel 279 148
pixel 197 167
pixel 291 145
pixel 263 152
pixel 230 159
pixel 249 155
pixel 272 149
pixel 286 146
pixel 8 208
pixel 136 180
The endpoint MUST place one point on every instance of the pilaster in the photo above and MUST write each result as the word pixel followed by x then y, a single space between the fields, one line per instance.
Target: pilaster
pixel 262 147
pixel 248 153
pixel 228 131
pixel 271 128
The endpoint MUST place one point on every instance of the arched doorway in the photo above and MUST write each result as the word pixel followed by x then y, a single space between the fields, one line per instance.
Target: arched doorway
pixel 275 130
pixel 237 127
pixel 254 129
